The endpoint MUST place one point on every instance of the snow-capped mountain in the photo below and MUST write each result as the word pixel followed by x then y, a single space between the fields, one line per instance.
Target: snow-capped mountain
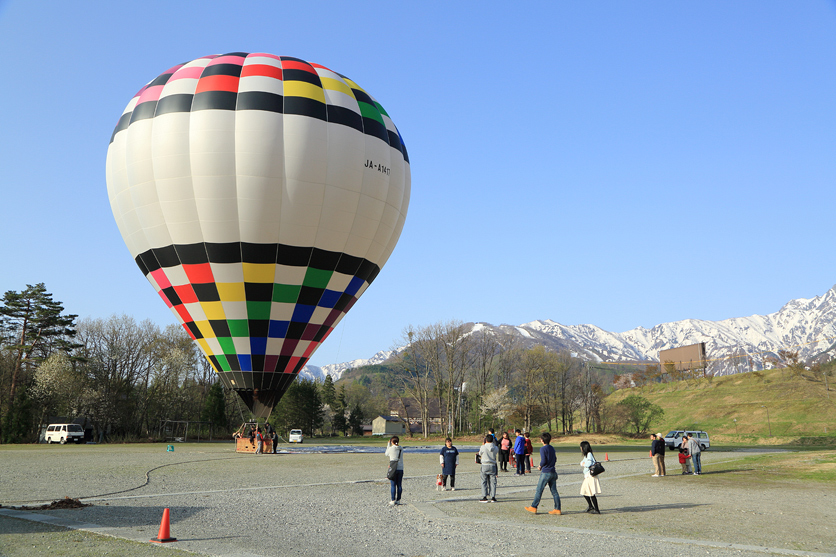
pixel 336 370
pixel 732 345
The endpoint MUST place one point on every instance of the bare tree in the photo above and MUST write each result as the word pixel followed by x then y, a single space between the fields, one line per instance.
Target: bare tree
pixel 416 379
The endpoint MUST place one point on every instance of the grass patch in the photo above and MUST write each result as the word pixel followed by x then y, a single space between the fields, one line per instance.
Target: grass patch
pixel 816 466
pixel 763 408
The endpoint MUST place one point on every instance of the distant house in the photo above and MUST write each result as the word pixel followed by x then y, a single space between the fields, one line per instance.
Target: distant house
pixel 409 410
pixel 388 426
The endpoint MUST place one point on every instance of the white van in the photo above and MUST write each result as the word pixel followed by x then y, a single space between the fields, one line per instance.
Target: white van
pixel 295 436
pixel 673 439
pixel 61 433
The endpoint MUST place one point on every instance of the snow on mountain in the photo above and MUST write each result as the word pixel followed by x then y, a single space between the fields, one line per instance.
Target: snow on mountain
pixel 336 370
pixel 732 345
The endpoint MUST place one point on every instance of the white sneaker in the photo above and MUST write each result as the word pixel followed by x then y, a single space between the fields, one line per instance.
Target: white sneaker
pixel 452 489
pixel 391 503
pixel 655 476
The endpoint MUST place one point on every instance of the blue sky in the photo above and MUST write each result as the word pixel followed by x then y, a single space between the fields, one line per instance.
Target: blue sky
pixel 560 153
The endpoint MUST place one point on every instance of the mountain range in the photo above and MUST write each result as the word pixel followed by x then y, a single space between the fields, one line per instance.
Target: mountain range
pixel 732 345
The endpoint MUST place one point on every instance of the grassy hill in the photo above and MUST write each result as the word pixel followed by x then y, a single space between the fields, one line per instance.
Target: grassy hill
pixel 799 409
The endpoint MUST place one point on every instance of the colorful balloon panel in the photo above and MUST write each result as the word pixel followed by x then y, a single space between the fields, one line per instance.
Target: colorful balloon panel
pixel 260 195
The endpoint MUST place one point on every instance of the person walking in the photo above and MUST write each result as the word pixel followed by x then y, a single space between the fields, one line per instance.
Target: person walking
pixel 488 470
pixel 548 475
pixel 590 486
pixel 695 450
pixel 449 458
pixel 395 452
pixel 504 451
pixel 519 452
pixel 529 450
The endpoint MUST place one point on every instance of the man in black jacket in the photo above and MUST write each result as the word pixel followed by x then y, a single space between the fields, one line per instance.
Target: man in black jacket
pixel 657 451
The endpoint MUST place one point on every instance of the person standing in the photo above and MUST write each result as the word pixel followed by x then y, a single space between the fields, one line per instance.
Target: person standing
pixel 654 456
pixel 504 451
pixel 488 471
pixel 590 487
pixel 548 475
pixel 449 458
pixel 259 439
pixel 275 439
pixel 519 452
pixel 395 452
pixel 529 450
pixel 684 448
pixel 660 453
pixel 695 450
pixel 683 460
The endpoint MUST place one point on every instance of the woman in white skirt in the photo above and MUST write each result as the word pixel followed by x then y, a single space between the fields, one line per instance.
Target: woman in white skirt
pixel 590 486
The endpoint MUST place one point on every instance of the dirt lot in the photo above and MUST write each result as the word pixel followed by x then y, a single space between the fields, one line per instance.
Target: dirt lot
pixel 317 503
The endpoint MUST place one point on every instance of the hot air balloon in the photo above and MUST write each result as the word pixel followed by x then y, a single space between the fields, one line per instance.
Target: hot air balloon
pixel 260 195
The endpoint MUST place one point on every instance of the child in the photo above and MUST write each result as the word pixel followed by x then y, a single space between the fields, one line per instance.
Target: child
pixel 683 460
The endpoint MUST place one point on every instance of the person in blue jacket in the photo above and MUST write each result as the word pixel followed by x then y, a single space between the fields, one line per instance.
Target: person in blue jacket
pixel 519 452
pixel 449 458
pixel 548 475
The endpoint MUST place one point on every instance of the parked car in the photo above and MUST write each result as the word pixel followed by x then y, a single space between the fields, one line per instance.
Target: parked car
pixel 673 439
pixel 296 436
pixel 61 433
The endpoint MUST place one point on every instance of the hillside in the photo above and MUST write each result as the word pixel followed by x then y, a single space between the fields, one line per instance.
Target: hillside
pixel 798 407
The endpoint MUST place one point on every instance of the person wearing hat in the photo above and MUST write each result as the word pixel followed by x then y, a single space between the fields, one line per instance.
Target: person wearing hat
pixel 657 451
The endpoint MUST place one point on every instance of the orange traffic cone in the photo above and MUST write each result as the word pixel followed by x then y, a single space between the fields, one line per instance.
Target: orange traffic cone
pixel 163 536
pixel 606 457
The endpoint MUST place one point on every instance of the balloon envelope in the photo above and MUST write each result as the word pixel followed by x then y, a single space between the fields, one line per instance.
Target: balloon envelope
pixel 260 195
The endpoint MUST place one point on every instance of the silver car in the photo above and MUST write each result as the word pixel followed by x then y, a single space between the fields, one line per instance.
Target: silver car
pixel 673 439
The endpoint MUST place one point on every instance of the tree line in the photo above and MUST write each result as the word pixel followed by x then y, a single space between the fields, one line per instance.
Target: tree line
pixel 125 378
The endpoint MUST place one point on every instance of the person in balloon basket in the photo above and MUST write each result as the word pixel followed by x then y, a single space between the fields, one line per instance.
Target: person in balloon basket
pixel 488 471
pixel 259 439
pixel 548 475
pixel 519 452
pixel 590 486
pixel 449 458
pixel 395 452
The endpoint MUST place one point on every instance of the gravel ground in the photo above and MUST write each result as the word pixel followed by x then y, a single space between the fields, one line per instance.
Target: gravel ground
pixel 227 504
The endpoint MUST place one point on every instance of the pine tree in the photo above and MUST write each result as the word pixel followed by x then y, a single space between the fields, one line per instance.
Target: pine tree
pixel 33 327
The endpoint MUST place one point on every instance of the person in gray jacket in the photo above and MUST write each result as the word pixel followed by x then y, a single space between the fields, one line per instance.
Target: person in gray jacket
pixel 487 454
pixel 694 449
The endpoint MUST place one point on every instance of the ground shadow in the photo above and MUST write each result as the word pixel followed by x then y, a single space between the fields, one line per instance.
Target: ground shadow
pixel 651 508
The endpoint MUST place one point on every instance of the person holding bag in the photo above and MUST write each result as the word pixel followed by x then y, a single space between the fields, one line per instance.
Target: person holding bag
pixel 590 486
pixel 395 472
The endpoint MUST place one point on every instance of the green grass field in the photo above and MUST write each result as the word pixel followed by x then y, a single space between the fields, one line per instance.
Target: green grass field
pixel 733 408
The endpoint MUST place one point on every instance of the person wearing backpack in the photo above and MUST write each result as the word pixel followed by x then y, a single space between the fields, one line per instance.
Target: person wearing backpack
pixel 590 486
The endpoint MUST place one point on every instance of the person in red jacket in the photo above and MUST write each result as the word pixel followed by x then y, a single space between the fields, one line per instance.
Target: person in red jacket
pixel 529 449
